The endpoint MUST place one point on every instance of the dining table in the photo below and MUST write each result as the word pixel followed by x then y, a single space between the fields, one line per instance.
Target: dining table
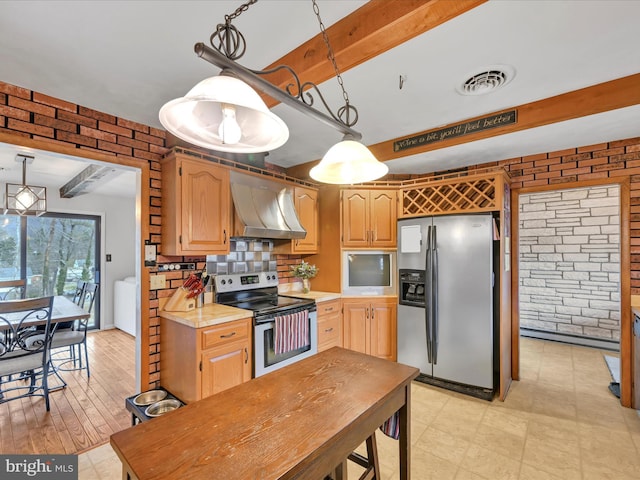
pixel 302 421
pixel 62 310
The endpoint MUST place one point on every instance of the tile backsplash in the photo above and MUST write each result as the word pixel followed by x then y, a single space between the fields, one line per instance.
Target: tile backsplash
pixel 247 255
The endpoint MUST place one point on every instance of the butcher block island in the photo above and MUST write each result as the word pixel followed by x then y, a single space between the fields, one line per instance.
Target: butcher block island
pixel 301 421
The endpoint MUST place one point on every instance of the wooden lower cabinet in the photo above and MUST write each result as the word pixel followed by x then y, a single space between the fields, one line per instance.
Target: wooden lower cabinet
pixel 199 362
pixel 329 324
pixel 370 325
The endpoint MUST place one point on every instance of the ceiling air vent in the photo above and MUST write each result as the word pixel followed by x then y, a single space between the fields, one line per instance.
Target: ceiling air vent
pixel 487 80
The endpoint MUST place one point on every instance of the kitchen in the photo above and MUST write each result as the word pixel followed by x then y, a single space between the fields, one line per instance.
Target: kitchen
pixel 153 373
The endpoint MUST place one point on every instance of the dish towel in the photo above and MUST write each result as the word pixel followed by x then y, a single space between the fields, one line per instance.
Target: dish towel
pixel 291 332
pixel 391 427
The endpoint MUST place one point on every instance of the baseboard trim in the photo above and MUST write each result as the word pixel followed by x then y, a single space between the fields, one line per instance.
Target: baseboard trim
pixel 603 343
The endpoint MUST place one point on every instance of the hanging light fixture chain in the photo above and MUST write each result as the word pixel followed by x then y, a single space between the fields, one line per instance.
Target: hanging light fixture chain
pixel 227 38
pixel 347 108
pixel 242 8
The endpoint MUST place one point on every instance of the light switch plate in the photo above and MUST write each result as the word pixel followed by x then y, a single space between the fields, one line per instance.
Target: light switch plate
pixel 150 253
pixel 158 281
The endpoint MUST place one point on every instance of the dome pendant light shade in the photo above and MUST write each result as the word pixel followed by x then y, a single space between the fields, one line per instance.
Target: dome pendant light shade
pixel 223 113
pixel 348 162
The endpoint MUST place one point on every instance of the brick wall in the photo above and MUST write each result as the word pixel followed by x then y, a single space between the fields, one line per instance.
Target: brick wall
pixel 602 161
pixel 40 117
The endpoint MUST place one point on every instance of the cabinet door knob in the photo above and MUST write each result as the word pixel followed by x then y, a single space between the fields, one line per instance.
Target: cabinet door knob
pixel 246 355
pixel 229 335
pixel 328 330
pixel 225 236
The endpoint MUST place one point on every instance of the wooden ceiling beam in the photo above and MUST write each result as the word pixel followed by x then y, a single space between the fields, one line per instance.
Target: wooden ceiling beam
pixel 374 28
pixel 603 97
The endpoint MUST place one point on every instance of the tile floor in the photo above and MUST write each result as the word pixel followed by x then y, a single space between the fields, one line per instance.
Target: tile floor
pixel 559 422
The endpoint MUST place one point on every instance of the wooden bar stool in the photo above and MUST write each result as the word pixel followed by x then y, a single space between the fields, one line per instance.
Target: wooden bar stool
pixel 369 463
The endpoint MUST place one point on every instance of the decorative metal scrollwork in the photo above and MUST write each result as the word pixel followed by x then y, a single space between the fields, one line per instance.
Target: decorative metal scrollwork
pixel 228 40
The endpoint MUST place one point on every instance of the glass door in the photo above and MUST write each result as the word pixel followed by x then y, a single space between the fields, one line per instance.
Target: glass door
pixel 53 253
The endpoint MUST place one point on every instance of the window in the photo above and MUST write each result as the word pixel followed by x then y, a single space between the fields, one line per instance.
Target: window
pixel 52 252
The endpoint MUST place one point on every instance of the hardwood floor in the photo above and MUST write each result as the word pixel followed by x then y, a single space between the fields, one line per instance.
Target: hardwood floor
pixel 85 413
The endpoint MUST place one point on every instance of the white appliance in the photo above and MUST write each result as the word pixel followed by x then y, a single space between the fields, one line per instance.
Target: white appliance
pixel 446 321
pixel 368 272
pixel 124 305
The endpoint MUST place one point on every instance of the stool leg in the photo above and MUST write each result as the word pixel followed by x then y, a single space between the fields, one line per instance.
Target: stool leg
pixel 372 453
pixel 341 471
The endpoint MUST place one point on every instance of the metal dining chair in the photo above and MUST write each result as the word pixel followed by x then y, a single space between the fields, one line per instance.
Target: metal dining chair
pixel 12 289
pixel 25 350
pixel 76 337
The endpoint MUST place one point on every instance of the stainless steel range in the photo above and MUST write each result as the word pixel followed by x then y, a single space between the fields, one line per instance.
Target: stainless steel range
pixel 285 328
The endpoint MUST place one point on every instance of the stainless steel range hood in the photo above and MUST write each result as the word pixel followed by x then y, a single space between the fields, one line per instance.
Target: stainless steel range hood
pixel 264 208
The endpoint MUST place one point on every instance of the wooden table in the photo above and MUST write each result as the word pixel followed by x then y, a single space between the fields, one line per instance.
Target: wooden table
pixel 63 310
pixel 299 422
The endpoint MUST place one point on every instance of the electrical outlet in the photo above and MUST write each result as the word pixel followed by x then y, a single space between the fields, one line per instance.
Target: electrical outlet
pixel 158 281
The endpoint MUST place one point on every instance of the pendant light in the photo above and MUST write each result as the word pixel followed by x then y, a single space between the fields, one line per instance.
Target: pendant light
pixel 224 113
pixel 348 162
pixel 24 199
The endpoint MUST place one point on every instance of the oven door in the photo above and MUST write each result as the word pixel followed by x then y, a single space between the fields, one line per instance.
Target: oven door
pixel 265 358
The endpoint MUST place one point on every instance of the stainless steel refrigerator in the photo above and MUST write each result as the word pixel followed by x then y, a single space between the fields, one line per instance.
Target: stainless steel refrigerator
pixel 446 300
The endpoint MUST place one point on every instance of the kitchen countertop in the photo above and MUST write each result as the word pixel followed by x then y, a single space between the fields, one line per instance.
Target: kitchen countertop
pixel 208 315
pixel 312 295
pixel 351 297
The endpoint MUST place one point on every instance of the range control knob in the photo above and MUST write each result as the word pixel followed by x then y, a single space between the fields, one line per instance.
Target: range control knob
pixel 230 281
pixel 223 281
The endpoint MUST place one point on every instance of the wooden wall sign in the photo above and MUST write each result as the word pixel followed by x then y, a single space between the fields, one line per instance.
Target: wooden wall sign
pixel 458 130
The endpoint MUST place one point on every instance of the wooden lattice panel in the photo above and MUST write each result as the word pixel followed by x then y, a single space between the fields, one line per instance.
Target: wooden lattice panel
pixel 450 196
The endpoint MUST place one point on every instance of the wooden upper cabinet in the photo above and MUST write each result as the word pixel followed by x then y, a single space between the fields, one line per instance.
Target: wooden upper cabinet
pixel 369 218
pixel 355 218
pixel 196 206
pixel 306 202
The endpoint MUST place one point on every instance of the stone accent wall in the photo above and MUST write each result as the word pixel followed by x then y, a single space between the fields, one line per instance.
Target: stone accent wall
pixel 570 262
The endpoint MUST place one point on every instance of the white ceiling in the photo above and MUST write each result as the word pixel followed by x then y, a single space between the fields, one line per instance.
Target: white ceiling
pixel 129 58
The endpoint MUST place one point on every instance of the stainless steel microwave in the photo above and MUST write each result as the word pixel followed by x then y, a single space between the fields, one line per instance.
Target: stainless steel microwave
pixel 368 272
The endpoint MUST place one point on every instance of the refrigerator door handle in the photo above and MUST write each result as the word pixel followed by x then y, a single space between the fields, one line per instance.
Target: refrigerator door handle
pixel 428 287
pixel 434 297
